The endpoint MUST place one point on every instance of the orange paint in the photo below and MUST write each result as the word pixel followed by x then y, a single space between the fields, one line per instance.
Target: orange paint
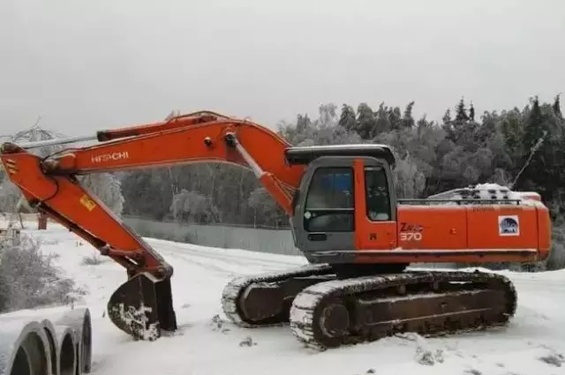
pixel 474 227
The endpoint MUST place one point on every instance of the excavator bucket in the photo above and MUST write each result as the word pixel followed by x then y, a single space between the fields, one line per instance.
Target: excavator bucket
pixel 143 306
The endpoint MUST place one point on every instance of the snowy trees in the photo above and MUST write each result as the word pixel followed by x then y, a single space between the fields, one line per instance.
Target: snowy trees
pixel 9 195
pixel 265 209
pixel 324 130
pixel 193 206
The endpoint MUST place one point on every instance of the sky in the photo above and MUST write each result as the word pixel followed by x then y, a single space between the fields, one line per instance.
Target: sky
pixel 85 66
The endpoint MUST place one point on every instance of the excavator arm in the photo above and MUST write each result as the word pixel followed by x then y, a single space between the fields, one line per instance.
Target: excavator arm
pixel 50 185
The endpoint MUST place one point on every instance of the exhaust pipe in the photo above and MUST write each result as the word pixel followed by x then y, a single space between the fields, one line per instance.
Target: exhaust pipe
pixel 143 307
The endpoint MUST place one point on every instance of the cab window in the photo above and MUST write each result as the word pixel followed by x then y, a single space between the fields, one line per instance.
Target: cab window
pixel 330 201
pixel 377 194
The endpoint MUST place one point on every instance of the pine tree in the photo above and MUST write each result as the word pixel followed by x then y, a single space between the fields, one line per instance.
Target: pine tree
pixel 366 122
pixel 557 107
pixel 302 122
pixel 461 112
pixel 407 118
pixel 347 119
pixel 534 125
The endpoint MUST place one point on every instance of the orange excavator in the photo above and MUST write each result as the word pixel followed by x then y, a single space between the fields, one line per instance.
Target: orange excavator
pixel 345 218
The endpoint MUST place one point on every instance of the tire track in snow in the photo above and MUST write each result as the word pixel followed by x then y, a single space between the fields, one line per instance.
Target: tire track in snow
pixel 223 270
pixel 234 264
pixel 225 263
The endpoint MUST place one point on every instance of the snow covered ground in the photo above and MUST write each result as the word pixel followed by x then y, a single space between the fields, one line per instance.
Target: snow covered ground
pixel 534 343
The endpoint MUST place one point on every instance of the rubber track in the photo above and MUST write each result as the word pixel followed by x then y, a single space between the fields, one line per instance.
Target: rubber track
pixel 306 307
pixel 236 287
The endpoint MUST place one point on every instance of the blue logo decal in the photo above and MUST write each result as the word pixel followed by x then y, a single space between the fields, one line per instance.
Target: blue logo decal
pixel 508 226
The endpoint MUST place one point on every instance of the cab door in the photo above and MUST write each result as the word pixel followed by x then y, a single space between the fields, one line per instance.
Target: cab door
pixel 375 205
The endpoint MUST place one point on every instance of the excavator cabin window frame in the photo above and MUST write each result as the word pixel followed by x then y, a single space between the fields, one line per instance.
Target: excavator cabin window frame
pixel 331 195
pixel 368 231
pixel 378 208
pixel 331 198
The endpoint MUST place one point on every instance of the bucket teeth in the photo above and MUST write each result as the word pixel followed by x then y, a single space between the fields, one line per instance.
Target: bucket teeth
pixel 142 307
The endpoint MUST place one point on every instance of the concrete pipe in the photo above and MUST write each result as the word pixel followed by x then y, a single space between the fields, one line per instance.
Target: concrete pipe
pixel 66 351
pixel 36 342
pixel 79 321
pixel 24 348
pixel 51 335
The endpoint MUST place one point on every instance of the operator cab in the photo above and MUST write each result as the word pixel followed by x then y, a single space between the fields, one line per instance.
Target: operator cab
pixel 346 201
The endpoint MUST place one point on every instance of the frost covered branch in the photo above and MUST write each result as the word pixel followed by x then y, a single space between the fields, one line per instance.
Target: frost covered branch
pixel 28 279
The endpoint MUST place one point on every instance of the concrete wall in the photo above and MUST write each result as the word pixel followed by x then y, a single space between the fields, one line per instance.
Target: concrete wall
pixel 255 239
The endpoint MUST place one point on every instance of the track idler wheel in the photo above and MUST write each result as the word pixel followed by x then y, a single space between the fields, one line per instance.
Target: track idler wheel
pixel 334 319
pixel 143 306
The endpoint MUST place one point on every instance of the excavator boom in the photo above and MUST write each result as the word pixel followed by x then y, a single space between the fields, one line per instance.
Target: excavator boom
pixel 143 305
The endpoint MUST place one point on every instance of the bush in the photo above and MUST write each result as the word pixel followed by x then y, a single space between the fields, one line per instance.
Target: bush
pixel 29 280
pixel 4 299
pixel 556 260
pixel 92 260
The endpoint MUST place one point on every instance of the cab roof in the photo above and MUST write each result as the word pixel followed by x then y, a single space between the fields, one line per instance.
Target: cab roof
pixel 305 154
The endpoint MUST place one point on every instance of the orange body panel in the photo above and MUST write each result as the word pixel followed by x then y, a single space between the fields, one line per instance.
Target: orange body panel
pixel 477 228
pixel 432 227
pixel 450 233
